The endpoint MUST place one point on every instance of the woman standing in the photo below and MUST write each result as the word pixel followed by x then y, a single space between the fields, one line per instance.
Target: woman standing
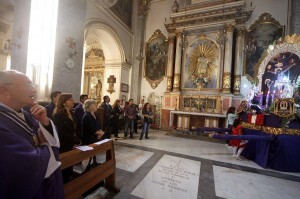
pixel 148 116
pixel 90 129
pixel 64 120
pixel 118 115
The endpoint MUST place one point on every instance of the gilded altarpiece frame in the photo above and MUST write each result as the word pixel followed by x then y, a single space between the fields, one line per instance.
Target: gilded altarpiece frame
pixel 263 32
pixel 156 59
pixel 201 69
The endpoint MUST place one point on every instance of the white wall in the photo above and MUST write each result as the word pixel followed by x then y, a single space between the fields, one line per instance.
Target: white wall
pixel 159 10
pixel 277 8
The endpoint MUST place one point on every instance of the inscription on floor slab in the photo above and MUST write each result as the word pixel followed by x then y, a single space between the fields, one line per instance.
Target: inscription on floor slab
pixel 172 177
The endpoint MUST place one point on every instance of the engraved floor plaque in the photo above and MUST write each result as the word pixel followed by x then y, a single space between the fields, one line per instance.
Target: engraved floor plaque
pixel 172 177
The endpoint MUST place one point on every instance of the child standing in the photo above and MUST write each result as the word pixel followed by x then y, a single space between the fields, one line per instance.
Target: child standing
pixel 238 145
pixel 230 119
pixel 148 116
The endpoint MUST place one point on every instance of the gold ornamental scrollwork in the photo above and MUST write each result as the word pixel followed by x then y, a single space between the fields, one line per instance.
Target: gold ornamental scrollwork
pixel 226 82
pixel 169 83
pixel 143 7
pixel 156 59
pixel 241 31
pixel 284 107
pixel 236 84
pixel 229 28
pixel 176 82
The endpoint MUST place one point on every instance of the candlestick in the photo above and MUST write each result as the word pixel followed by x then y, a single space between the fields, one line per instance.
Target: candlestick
pixel 199 108
pixel 267 100
pixel 206 103
pixel 221 107
pixel 213 105
pixel 176 105
pixel 190 103
pixel 272 99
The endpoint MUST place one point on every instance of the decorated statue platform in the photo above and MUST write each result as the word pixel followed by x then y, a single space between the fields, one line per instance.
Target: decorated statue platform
pixel 271 113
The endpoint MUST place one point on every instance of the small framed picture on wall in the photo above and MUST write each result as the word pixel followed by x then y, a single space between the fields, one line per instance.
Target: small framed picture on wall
pixel 124 88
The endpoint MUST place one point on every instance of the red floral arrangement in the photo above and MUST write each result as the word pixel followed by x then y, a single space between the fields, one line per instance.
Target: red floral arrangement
pixel 260 118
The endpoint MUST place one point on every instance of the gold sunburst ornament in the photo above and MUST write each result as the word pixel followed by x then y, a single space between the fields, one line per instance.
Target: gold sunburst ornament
pixel 201 65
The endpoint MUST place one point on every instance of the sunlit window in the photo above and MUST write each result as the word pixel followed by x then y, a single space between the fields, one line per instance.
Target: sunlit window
pixel 41 44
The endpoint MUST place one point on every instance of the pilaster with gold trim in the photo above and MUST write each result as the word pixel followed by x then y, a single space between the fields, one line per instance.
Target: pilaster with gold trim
pixel 226 81
pixel 239 56
pixel 236 84
pixel 170 67
pixel 176 82
pixel 228 59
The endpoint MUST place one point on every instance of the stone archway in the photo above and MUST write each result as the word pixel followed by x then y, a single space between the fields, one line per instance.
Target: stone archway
pixel 104 57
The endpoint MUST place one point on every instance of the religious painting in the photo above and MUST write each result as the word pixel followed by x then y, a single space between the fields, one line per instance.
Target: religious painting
pixel 123 10
pixel 201 68
pixel 156 59
pixel 260 35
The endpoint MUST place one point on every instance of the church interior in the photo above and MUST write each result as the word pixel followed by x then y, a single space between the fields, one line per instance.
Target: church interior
pixel 192 60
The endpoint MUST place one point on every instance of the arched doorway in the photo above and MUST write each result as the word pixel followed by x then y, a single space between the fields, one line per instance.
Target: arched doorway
pixel 104 56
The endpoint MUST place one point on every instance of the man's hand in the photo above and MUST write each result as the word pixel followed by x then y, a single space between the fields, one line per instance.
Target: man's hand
pixel 40 113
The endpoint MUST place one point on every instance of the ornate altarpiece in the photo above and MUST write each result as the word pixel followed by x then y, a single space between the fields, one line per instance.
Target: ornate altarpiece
pixel 94 73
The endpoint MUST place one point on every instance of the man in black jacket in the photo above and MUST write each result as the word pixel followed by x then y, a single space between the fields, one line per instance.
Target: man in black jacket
pixel 107 115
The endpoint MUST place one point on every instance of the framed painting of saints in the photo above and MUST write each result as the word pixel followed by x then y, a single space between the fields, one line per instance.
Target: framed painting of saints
pixel 156 59
pixel 262 33
pixel 201 69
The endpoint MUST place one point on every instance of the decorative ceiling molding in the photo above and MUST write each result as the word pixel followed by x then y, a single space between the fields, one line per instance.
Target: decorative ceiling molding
pixel 221 13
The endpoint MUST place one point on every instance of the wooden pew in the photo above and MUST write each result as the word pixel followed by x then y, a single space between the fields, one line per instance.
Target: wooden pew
pixel 105 171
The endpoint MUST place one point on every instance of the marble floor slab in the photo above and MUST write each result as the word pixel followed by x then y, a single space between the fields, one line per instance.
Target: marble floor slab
pixel 196 148
pixel 236 184
pixel 201 149
pixel 171 177
pixel 130 159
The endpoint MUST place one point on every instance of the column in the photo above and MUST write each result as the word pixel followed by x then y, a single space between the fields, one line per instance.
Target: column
pixel 139 42
pixel 69 46
pixel 176 82
pixel 170 70
pixel 227 60
pixel 20 35
pixel 238 60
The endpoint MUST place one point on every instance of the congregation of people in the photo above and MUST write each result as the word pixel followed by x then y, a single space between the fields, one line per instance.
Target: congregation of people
pixel 33 136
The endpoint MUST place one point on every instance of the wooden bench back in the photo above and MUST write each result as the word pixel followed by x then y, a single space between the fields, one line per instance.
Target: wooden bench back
pixel 105 171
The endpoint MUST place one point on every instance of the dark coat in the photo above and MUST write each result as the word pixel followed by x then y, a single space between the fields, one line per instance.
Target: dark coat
pixel 89 127
pixel 67 131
